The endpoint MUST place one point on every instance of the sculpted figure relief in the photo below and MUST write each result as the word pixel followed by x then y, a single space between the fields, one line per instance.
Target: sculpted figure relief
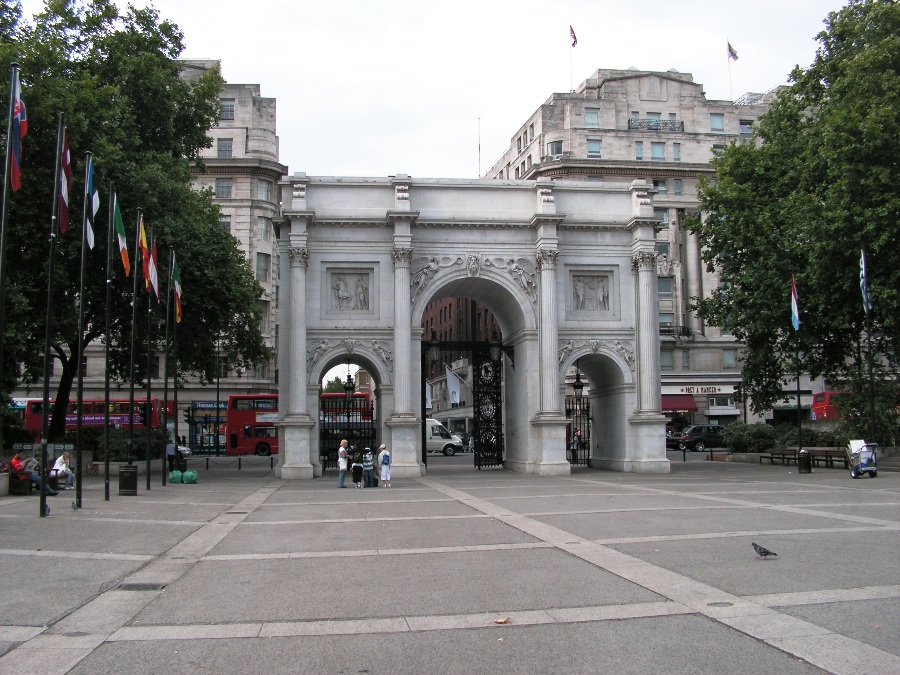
pixel 591 292
pixel 344 298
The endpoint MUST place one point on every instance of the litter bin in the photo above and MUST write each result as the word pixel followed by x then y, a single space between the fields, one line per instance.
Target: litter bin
pixel 181 464
pixel 128 480
pixel 804 462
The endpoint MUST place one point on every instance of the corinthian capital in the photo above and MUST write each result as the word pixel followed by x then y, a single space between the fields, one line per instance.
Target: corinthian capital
pixel 546 258
pixel 298 256
pixel 401 257
pixel 644 261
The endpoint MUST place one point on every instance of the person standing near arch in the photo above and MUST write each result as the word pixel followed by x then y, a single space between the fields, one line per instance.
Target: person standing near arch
pixel 342 463
pixel 384 461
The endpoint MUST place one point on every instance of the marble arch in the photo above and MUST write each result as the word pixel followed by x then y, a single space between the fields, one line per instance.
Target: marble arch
pixel 569 269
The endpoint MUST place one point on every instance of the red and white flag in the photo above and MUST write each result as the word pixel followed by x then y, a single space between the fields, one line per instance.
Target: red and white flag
pixel 65 184
pixel 572 34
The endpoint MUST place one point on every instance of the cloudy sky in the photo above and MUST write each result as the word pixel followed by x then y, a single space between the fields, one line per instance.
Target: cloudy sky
pixel 379 87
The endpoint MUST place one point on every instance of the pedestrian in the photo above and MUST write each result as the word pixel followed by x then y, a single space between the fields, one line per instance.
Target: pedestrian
pixel 384 461
pixel 356 469
pixel 21 468
pixel 342 463
pixel 170 454
pixel 368 468
pixel 63 470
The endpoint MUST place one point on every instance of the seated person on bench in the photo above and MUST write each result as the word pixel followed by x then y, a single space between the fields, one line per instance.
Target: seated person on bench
pixel 17 466
pixel 63 471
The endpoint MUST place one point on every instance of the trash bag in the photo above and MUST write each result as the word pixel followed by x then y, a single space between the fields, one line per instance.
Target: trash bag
pixel 175 477
pixel 189 477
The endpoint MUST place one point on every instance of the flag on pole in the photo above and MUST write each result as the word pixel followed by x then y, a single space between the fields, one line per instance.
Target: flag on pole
pixel 92 199
pixel 795 310
pixel 731 53
pixel 145 256
pixel 176 287
pixel 863 286
pixel 120 236
pixel 20 119
pixel 428 395
pixel 452 385
pixel 154 274
pixel 65 184
pixel 572 34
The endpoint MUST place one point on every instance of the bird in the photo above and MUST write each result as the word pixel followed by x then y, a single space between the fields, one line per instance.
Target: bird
pixel 74 506
pixel 761 551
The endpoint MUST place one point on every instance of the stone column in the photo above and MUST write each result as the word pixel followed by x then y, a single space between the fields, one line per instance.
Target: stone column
pixel 647 325
pixel 402 332
pixel 693 269
pixel 296 404
pixel 549 338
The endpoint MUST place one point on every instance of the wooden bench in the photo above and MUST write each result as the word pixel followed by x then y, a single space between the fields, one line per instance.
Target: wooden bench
pixel 818 456
pixel 784 456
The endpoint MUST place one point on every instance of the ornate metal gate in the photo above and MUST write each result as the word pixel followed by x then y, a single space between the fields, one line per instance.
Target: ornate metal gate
pixel 578 433
pixel 338 420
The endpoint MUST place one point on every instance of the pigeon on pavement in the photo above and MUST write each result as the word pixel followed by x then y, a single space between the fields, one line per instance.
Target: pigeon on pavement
pixel 761 551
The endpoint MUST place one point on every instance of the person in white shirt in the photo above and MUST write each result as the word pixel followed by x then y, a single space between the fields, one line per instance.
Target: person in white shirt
pixel 63 471
pixel 384 461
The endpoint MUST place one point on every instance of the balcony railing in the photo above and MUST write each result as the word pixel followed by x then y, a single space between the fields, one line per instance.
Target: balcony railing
pixel 672 329
pixel 671 126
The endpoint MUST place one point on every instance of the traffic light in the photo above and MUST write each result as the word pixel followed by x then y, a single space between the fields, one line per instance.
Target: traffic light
pixel 187 417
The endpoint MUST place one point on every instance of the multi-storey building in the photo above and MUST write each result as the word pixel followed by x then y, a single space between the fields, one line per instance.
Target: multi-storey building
pixel 622 125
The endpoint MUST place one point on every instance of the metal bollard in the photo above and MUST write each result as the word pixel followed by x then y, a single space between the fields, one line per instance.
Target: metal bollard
pixel 207 463
pixel 271 462
pixel 239 463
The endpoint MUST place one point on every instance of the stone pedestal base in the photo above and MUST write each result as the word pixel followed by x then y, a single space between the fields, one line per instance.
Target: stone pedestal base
pixel 294 472
pixel 539 468
pixel 631 465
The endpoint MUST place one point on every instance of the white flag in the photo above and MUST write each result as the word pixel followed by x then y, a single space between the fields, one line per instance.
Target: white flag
pixel 428 394
pixel 452 385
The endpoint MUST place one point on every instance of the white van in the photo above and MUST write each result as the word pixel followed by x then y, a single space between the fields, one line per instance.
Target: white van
pixel 438 439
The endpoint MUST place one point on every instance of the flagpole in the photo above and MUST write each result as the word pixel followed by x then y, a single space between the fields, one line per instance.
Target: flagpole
pixel 109 245
pixel 148 415
pixel 728 59
pixel 166 374
pixel 45 422
pixel 80 419
pixel 866 304
pixel 13 77
pixel 134 296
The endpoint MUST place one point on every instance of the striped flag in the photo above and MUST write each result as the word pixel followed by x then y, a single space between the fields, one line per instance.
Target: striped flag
pixel 572 35
pixel 863 285
pixel 20 120
pixel 145 256
pixel 65 184
pixel 795 310
pixel 731 53
pixel 154 274
pixel 120 236
pixel 176 287
pixel 92 199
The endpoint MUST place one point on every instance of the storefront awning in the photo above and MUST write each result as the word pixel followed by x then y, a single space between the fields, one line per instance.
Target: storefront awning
pixel 678 403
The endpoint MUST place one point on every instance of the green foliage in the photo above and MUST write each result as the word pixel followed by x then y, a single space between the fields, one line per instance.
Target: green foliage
pixel 855 411
pixel 820 185
pixel 92 440
pixel 115 79
pixel 740 437
pixel 336 386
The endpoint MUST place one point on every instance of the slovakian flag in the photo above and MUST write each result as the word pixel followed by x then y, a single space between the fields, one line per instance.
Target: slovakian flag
pixel 145 256
pixel 731 53
pixel 120 236
pixel 92 201
pixel 863 285
pixel 154 274
pixel 176 288
pixel 572 35
pixel 65 184
pixel 20 125
pixel 795 309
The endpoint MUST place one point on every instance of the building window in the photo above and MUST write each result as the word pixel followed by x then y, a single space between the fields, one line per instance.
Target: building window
pixel 531 130
pixel 676 152
pixel 264 321
pixel 685 359
pixel 729 359
pixel 262 228
pixel 658 152
pixel 223 188
pixel 262 371
pixel 592 118
pixel 666 359
pixel 223 148
pixel 84 366
pixel 676 186
pixel 717 122
pixel 635 116
pixel 594 149
pixel 519 144
pixel 262 190
pixel 653 120
pixel 555 148
pixel 662 214
pixel 746 127
pixel 666 319
pixel 263 264
pixel 660 186
pixel 721 402
pixel 718 150
pixel 639 150
pixel 517 172
pixel 664 286
pixel 662 248
pixel 226 112
pixel 225 222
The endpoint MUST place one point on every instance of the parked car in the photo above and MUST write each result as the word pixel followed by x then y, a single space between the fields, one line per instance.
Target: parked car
pixel 184 451
pixel 701 436
pixel 673 438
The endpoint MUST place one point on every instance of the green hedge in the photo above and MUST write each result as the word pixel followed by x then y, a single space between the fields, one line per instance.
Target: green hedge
pixel 740 437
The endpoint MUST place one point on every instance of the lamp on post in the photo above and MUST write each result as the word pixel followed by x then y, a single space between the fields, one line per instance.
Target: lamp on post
pixel 495 347
pixel 434 348
pixel 578 386
pixel 349 386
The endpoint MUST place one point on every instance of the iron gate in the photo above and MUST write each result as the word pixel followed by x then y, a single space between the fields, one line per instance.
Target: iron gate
pixel 340 420
pixel 578 432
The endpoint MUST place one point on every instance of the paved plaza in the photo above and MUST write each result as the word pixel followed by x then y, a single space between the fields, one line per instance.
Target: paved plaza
pixel 460 571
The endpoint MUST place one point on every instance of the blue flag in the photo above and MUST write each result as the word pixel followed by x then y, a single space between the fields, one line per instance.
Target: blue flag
pixel 863 287
pixel 795 309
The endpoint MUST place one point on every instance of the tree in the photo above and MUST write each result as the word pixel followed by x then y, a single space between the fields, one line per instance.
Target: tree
pixel 115 78
pixel 818 185
pixel 335 386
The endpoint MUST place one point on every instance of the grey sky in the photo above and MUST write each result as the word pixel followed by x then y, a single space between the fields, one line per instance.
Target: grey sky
pixel 379 87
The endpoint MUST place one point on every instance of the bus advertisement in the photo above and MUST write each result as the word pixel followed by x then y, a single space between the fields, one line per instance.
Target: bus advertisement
pixel 93 414
pixel 250 424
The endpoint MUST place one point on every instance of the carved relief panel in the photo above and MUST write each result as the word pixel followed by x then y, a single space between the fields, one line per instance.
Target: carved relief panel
pixel 349 291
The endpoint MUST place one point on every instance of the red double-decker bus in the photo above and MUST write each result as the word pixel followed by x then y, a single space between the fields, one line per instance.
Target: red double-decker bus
pixel 825 404
pixel 250 424
pixel 93 414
